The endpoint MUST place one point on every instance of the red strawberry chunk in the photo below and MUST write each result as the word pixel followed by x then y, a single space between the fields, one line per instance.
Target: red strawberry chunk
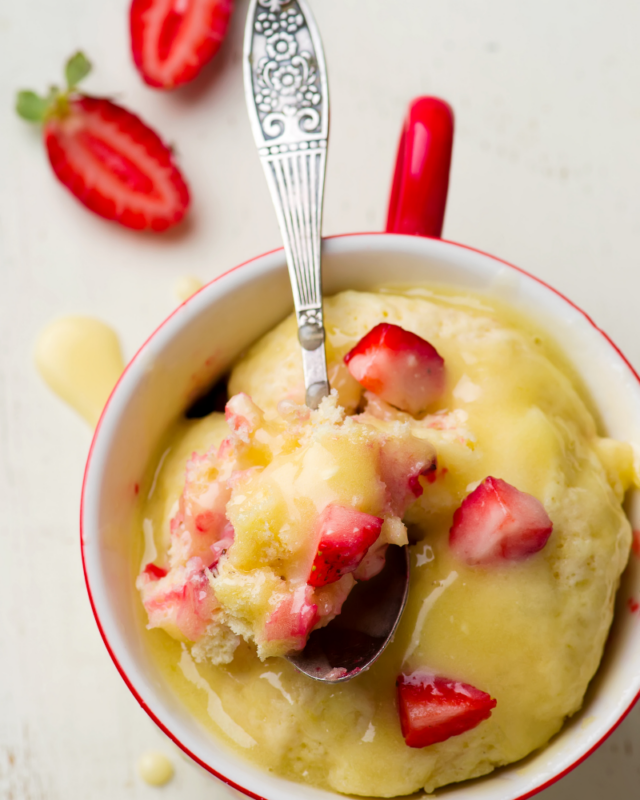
pixel 344 536
pixel 400 367
pixel 293 618
pixel 116 165
pixel 498 522
pixel 432 709
pixel 198 603
pixel 182 598
pixel 154 572
pixel 172 40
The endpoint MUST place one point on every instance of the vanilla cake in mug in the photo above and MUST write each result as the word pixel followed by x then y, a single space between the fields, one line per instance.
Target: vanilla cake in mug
pixel 454 427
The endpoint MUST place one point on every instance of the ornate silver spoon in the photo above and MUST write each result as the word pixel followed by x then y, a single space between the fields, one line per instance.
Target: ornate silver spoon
pixel 287 95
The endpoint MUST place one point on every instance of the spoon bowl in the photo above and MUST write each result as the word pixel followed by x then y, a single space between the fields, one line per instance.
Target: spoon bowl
pixel 351 642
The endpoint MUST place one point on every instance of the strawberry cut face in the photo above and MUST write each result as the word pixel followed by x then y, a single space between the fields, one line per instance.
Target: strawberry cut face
pixel 402 368
pixel 498 523
pixel 432 709
pixel 116 165
pixel 345 535
pixel 172 40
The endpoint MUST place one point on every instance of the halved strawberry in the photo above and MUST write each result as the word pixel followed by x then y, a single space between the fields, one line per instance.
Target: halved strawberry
pixel 172 40
pixel 498 522
pixel 432 709
pixel 106 156
pixel 345 535
pixel 399 366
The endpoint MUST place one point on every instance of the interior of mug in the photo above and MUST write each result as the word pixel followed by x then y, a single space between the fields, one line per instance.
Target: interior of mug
pixel 199 342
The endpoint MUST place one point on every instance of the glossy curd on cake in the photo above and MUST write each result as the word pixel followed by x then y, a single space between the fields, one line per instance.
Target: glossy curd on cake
pixel 453 426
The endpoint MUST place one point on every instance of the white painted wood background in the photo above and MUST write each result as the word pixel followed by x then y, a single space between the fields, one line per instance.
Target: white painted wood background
pixel 546 173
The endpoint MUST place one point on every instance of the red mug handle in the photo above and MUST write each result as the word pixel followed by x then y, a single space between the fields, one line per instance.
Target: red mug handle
pixel 421 178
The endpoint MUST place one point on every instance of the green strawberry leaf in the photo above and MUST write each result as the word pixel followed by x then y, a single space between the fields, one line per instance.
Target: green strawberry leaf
pixel 31 106
pixel 76 68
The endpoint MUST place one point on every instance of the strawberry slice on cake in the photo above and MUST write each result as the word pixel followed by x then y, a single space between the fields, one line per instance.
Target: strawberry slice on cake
pixel 498 522
pixel 400 367
pixel 107 157
pixel 432 709
pixel 345 536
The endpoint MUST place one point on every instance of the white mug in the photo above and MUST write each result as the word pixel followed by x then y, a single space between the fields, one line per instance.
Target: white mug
pixel 204 336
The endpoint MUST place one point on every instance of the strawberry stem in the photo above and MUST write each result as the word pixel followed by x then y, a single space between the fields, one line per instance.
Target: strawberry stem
pixel 31 106
pixel 76 68
pixel 34 108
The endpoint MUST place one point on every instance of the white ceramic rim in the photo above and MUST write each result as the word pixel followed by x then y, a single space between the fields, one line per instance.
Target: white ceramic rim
pixel 95 463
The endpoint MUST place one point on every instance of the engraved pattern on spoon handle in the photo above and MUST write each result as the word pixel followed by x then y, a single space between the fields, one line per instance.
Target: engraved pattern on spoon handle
pixel 296 183
pixel 287 98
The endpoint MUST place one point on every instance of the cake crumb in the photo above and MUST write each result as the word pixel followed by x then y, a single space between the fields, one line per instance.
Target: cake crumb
pixel 186 286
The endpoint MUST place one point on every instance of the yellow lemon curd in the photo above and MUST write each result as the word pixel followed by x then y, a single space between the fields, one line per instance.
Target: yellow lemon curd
pixel 529 633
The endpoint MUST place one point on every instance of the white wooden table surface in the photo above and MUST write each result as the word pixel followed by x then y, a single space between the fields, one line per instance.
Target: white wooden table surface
pixel 546 174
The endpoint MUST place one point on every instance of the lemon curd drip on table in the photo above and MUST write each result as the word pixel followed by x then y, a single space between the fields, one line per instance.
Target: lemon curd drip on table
pixel 529 633
pixel 80 360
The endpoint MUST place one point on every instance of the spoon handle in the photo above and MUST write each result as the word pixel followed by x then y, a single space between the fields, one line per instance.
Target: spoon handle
pixel 287 96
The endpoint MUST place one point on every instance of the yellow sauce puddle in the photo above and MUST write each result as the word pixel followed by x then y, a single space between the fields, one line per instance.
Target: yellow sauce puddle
pixel 214 704
pixel 155 768
pixel 79 358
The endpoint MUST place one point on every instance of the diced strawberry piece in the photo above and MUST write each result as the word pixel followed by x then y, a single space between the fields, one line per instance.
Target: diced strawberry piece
pixel 293 618
pixel 202 505
pixel 344 536
pixel 432 709
pixel 429 472
pixel 154 572
pixel 172 40
pixel 399 366
pixel 182 601
pixel 498 522
pixel 198 603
